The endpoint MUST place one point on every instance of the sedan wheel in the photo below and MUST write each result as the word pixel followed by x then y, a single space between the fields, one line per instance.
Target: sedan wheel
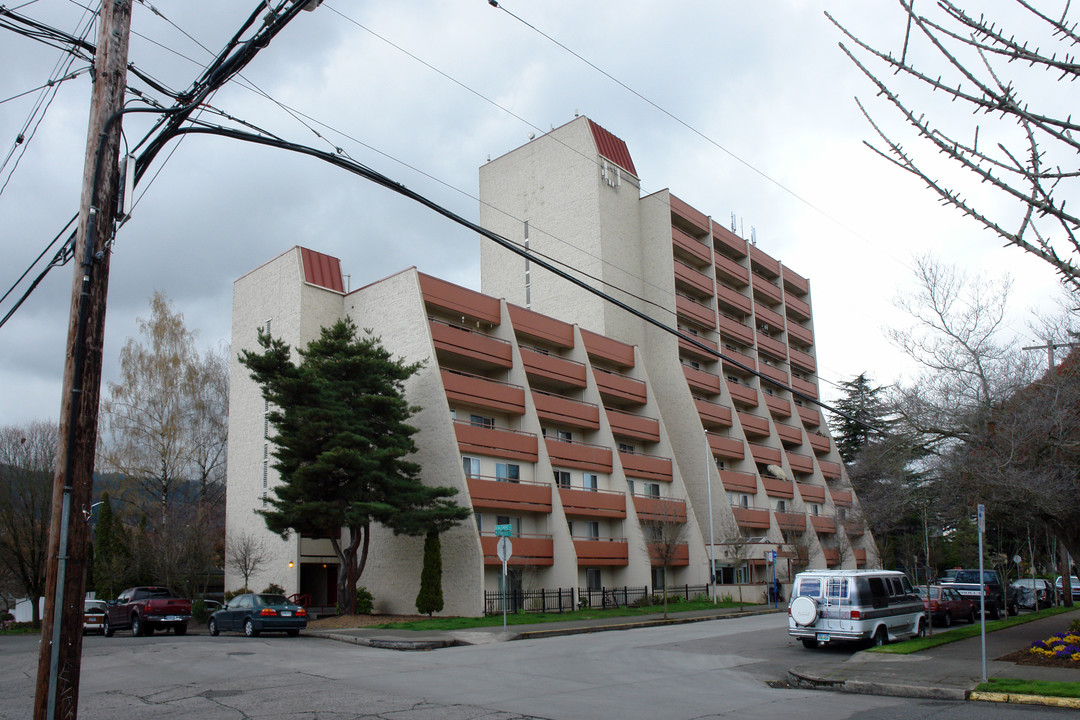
pixel 108 629
pixel 249 628
pixel 212 628
pixel 948 619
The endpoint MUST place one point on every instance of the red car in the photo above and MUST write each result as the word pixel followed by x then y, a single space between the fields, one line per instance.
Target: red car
pixel 946 604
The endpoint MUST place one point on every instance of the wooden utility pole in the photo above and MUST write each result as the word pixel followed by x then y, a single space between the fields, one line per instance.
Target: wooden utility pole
pixel 59 660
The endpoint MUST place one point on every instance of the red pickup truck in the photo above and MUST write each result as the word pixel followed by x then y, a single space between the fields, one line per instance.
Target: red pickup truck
pixel 146 609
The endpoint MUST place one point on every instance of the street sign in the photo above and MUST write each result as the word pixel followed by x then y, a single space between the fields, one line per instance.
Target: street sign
pixel 982 518
pixel 503 530
pixel 505 549
pixel 772 556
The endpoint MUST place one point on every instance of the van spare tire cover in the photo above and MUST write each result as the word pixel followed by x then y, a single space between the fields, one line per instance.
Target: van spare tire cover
pixel 803 610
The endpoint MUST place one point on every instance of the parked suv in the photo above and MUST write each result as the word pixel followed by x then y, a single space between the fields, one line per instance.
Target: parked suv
pixel 829 606
pixel 999 597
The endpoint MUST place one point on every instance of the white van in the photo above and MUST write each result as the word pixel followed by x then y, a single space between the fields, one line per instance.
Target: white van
pixel 829 606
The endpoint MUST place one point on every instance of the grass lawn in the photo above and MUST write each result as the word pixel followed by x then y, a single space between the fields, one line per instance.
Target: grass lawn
pixel 1014 686
pixel 943 637
pixel 19 629
pixel 463 623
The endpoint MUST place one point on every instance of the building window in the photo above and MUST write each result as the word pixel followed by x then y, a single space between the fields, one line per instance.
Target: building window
pixel 507 472
pixel 739 499
pixel 630 484
pixel 781 506
pixel 627 448
pixel 815 509
pixel 564 435
pixel 590 481
pixel 592 529
pixel 651 489
pixel 658 579
pixel 592 579
pixel 479 517
pixel 471 466
pixel 562 478
pixel 482 421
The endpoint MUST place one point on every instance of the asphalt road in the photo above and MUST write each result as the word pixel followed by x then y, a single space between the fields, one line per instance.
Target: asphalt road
pixel 703 670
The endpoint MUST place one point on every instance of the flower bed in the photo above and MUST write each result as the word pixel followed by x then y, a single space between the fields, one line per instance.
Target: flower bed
pixel 1063 646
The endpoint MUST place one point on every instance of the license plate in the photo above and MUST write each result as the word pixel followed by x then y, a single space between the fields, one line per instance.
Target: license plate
pixel 173 618
pixel 823 637
pixel 286 613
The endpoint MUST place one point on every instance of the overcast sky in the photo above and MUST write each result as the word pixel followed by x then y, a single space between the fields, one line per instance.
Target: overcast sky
pixel 764 82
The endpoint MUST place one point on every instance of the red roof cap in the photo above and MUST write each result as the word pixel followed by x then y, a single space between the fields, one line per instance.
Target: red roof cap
pixel 322 270
pixel 612 148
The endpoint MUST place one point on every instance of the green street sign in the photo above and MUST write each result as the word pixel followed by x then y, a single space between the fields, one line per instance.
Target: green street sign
pixel 502 530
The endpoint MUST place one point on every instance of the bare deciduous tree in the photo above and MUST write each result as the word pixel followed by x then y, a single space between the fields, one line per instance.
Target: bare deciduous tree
pixel 665 537
pixel 247 554
pixel 1014 148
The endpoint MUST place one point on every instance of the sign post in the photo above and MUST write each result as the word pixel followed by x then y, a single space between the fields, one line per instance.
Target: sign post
pixel 505 550
pixel 772 588
pixel 982 588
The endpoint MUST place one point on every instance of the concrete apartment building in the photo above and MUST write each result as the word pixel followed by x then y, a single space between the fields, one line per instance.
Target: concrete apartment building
pixel 584 428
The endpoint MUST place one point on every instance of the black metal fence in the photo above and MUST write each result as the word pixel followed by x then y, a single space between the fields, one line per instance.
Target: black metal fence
pixel 685 592
pixel 529 601
pixel 611 597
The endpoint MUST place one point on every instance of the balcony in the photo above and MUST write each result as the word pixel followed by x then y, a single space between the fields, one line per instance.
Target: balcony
pixel 680 554
pixel 557 370
pixel 600 347
pixel 778 406
pixel 771 318
pixel 619 389
pixel 688 348
pixel 742 393
pixel 733 299
pixel 803 386
pixel 646 467
pixel 763 454
pixel 860 557
pixel 659 509
pixel 765 262
pixel 713 415
pixel 735 481
pixel 773 373
pixel 583 456
pixel 701 381
pixel 789 434
pixel 689 216
pixel 765 289
pixel 692 281
pixel 832 556
pixel 830 470
pixel 687 245
pixel 528 550
pixel 820 443
pixel 725 447
pixel 842 498
pixel 601 552
pixel 732 356
pixel 735 329
pixel 790 521
pixel 802 334
pixel 566 411
pixel 593 503
pixel 854 529
pixel 812 493
pixel 796 308
pixel 803 360
pixel 483 392
pixel 494 494
pixel 638 427
pixel 691 310
pixel 810 417
pixel 495 442
pixel 754 426
pixel 727 242
pixel 801 463
pixel 775 487
pixel 772 346
pixel 822 524
pixel 469 347
pixel 795 282
pixel 731 272
pixel 532 324
pixel 750 517
pixel 458 300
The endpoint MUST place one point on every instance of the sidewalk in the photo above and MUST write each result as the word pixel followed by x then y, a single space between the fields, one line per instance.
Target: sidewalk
pixel 949 671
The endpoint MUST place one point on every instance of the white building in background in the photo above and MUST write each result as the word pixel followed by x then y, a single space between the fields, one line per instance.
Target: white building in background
pixel 567 418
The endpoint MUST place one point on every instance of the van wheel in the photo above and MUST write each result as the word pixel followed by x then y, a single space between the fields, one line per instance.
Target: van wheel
pixel 921 631
pixel 809 643
pixel 881 637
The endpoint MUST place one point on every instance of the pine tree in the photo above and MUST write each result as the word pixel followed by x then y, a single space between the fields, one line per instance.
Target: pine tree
pixel 111 553
pixel 430 598
pixel 864 416
pixel 341 441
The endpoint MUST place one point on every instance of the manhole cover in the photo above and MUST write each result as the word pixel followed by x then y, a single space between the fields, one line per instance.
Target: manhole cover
pixel 778 684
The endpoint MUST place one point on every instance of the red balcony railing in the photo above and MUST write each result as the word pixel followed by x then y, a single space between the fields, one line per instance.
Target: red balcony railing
pixel 812 493
pixel 774 373
pixel 832 556
pixel 532 324
pixel 764 261
pixel 470 345
pixel 694 281
pixel 842 498
pixel 584 456
pixel 529 550
pixel 735 481
pixel 820 443
pixel 742 393
pixel 789 434
pixel 659 509
pixel 690 215
pixel 794 282
pixel 604 348
pixel 620 388
pixel 725 447
pixel 483 392
pixel 775 487
pixel 823 524
pixel 765 289
pixel 830 470
pixel 778 406
pixel 810 417
pixel 854 529
pixel 628 425
pixel 790 521
pixel 753 425
pixel 860 556
pixel 802 360
pixel 751 517
pixel 772 346
pixel 566 411
pixel 692 311
pixel 728 242
pixel 680 554
pixel 729 271
pixel 494 494
pixel 691 246
pixel 689 348
pixel 713 415
pixel 736 329
pixel 733 298
pixel 741 358
pixel 495 442
pixel 458 300
pixel 602 552
pixel 805 387
pixel 646 467
pixel 764 454
pixel 770 317
pixel 800 463
pixel 560 370
pixel 593 503
pixel 798 331
pixel 701 380
pixel 796 307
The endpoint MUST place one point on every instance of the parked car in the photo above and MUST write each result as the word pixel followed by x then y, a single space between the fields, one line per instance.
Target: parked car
pixel 146 609
pixel 1034 593
pixel 254 613
pixel 829 606
pixel 998 596
pixel 94 616
pixel 1075 587
pixel 945 604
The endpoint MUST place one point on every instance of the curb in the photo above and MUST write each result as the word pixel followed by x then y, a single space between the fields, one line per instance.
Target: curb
pixel 556 632
pixel 807 681
pixel 1047 700
pixel 384 643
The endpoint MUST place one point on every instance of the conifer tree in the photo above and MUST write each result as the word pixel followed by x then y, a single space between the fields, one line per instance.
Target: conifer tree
pixel 430 598
pixel 865 416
